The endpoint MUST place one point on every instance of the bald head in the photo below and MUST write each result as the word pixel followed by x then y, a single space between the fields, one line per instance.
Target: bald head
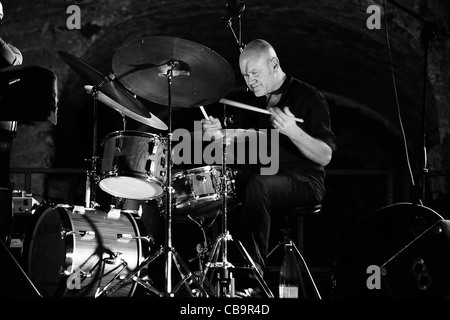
pixel 260 67
pixel 258 49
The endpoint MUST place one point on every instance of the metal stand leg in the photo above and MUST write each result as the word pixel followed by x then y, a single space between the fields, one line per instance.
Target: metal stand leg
pixel 225 280
pixel 202 253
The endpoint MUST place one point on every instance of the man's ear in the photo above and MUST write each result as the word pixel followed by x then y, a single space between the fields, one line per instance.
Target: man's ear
pixel 275 63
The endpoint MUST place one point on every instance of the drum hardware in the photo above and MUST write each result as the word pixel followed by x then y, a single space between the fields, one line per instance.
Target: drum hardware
pixel 203 252
pixel 114 95
pixel 91 174
pixel 204 247
pixel 192 65
pixel 225 283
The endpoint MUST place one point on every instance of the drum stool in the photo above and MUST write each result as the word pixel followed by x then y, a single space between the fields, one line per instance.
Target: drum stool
pixel 298 214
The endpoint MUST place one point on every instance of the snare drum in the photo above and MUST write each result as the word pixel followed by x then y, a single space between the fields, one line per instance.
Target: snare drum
pixel 75 251
pixel 198 192
pixel 134 165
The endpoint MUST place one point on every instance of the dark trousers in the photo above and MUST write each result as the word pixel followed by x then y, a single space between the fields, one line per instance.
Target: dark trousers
pixel 263 196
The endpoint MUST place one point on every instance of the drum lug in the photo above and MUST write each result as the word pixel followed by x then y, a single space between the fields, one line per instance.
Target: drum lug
pixel 85 235
pixel 119 143
pixel 125 238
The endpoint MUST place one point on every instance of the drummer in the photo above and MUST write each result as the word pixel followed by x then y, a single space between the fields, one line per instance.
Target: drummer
pixel 304 149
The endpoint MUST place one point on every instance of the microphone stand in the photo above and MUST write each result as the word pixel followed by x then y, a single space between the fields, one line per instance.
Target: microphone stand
pixel 235 12
pixel 427 35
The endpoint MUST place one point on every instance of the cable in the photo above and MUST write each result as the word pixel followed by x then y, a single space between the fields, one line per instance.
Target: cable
pixel 396 100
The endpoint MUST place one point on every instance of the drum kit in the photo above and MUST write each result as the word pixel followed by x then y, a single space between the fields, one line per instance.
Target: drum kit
pixel 107 253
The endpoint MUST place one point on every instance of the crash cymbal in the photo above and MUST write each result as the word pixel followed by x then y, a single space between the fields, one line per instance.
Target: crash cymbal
pixel 109 86
pixel 226 135
pixel 153 121
pixel 200 76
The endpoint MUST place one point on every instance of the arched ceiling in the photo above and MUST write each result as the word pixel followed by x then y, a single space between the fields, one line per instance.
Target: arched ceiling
pixel 326 43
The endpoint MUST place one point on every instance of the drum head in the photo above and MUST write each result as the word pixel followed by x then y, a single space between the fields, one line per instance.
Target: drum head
pixel 132 187
pixel 47 253
pixel 374 240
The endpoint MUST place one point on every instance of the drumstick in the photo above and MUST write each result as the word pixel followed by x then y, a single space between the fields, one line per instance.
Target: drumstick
pixel 245 106
pixel 204 113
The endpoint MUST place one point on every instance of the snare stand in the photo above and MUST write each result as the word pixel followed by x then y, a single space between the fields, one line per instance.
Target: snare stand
pixel 225 281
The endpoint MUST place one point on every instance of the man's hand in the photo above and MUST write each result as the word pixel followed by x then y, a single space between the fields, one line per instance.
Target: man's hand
pixel 283 121
pixel 212 123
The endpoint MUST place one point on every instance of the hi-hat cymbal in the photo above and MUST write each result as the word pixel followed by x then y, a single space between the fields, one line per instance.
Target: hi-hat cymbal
pixel 112 89
pixel 153 121
pixel 200 76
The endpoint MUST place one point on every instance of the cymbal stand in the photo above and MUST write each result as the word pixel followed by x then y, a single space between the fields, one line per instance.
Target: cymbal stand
pixel 203 252
pixel 172 256
pixel 225 281
pixel 91 174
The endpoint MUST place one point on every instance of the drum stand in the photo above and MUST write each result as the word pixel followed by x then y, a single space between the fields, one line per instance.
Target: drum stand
pixel 171 255
pixel 91 175
pixel 225 285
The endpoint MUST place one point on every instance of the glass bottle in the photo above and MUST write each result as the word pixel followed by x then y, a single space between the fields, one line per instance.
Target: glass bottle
pixel 289 280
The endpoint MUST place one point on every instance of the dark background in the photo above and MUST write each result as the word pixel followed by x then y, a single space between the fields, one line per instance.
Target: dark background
pixel 325 43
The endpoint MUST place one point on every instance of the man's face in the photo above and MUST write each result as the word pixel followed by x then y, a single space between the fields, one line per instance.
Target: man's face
pixel 257 73
pixel 1 11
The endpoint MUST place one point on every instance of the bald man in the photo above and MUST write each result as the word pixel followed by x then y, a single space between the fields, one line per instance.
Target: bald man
pixel 9 55
pixel 304 149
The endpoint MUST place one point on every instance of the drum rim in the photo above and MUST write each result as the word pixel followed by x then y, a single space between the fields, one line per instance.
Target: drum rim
pixel 134 133
pixel 202 169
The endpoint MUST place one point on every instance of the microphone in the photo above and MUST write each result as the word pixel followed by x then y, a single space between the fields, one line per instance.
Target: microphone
pixel 234 8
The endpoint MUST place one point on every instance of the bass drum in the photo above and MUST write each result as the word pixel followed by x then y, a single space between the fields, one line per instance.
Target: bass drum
pixel 375 240
pixel 76 251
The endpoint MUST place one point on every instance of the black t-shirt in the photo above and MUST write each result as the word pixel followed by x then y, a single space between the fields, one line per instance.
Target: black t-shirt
pixel 306 103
